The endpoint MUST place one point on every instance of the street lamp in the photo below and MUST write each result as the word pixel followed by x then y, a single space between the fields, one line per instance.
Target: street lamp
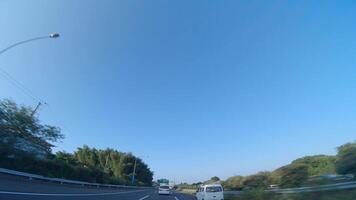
pixel 51 35
pixel 54 35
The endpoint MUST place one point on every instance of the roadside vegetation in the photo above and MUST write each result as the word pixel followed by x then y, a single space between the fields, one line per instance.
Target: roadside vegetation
pixel 323 195
pixel 191 188
pixel 306 171
pixel 26 145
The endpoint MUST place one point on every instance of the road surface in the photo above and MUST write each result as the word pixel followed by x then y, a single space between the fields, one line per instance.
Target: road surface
pixel 14 188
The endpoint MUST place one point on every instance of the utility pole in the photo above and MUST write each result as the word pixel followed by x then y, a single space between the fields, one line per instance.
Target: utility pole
pixel 133 173
pixel 106 161
pixel 35 110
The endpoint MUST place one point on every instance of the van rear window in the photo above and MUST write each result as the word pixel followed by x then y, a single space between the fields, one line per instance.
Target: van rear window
pixel 214 189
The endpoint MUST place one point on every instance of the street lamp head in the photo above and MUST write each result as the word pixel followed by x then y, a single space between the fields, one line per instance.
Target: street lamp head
pixel 54 35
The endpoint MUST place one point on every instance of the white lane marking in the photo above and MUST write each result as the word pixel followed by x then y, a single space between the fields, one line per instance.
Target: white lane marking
pixel 145 197
pixel 176 198
pixel 67 195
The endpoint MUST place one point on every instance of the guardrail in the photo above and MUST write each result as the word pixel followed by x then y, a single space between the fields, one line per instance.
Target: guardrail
pixel 64 181
pixel 336 186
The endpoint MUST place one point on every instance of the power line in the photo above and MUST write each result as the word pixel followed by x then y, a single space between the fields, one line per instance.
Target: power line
pixel 20 86
pixel 13 81
pixel 27 92
pixel 63 127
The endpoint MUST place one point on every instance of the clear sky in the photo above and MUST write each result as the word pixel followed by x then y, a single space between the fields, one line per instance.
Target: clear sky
pixel 196 89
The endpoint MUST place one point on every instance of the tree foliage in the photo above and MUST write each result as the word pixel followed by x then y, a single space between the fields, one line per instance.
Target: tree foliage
pixel 261 180
pixel 234 183
pixel 23 130
pixel 346 159
pixel 215 179
pixel 212 180
pixel 318 165
pixel 300 170
pixel 117 164
pixel 26 144
pixel 293 175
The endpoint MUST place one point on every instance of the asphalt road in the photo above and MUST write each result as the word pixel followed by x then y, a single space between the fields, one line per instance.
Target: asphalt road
pixel 14 188
pixel 132 195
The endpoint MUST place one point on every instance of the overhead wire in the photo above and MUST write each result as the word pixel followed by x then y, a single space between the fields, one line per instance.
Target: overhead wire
pixel 20 86
pixel 27 92
pixel 17 83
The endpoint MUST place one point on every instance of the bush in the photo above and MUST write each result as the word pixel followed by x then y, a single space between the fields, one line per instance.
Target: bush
pixel 293 175
pixel 346 159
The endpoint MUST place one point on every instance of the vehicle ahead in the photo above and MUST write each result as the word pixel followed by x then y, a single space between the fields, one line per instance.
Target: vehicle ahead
pixel 164 189
pixel 210 192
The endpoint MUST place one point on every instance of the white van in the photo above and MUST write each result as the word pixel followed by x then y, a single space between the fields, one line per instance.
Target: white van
pixel 164 189
pixel 210 192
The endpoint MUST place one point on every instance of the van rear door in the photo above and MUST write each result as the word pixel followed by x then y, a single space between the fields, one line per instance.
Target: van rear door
pixel 214 193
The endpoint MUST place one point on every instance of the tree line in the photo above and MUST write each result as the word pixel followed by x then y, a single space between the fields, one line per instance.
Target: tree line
pixel 300 171
pixel 26 145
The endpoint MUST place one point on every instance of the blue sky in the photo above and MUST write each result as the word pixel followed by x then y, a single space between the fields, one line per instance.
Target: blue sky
pixel 197 89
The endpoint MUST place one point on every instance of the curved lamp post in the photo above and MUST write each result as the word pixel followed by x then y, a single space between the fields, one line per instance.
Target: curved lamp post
pixel 49 36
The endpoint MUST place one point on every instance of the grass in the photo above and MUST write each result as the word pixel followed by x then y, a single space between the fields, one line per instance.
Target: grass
pixel 349 194
pixel 188 191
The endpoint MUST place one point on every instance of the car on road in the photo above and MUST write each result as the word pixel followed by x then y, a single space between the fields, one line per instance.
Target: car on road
pixel 164 189
pixel 273 187
pixel 210 192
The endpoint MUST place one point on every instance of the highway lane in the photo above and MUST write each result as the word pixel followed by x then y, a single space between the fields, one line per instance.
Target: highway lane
pixel 180 196
pixel 122 195
pixel 149 194
pixel 20 184
pixel 17 188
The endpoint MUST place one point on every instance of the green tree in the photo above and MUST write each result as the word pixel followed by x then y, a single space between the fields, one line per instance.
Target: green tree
pixel 87 156
pixel 215 179
pixel 234 183
pixel 116 164
pixel 65 157
pixel 22 130
pixel 25 145
pixel 293 175
pixel 346 159
pixel 318 165
pixel 262 180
